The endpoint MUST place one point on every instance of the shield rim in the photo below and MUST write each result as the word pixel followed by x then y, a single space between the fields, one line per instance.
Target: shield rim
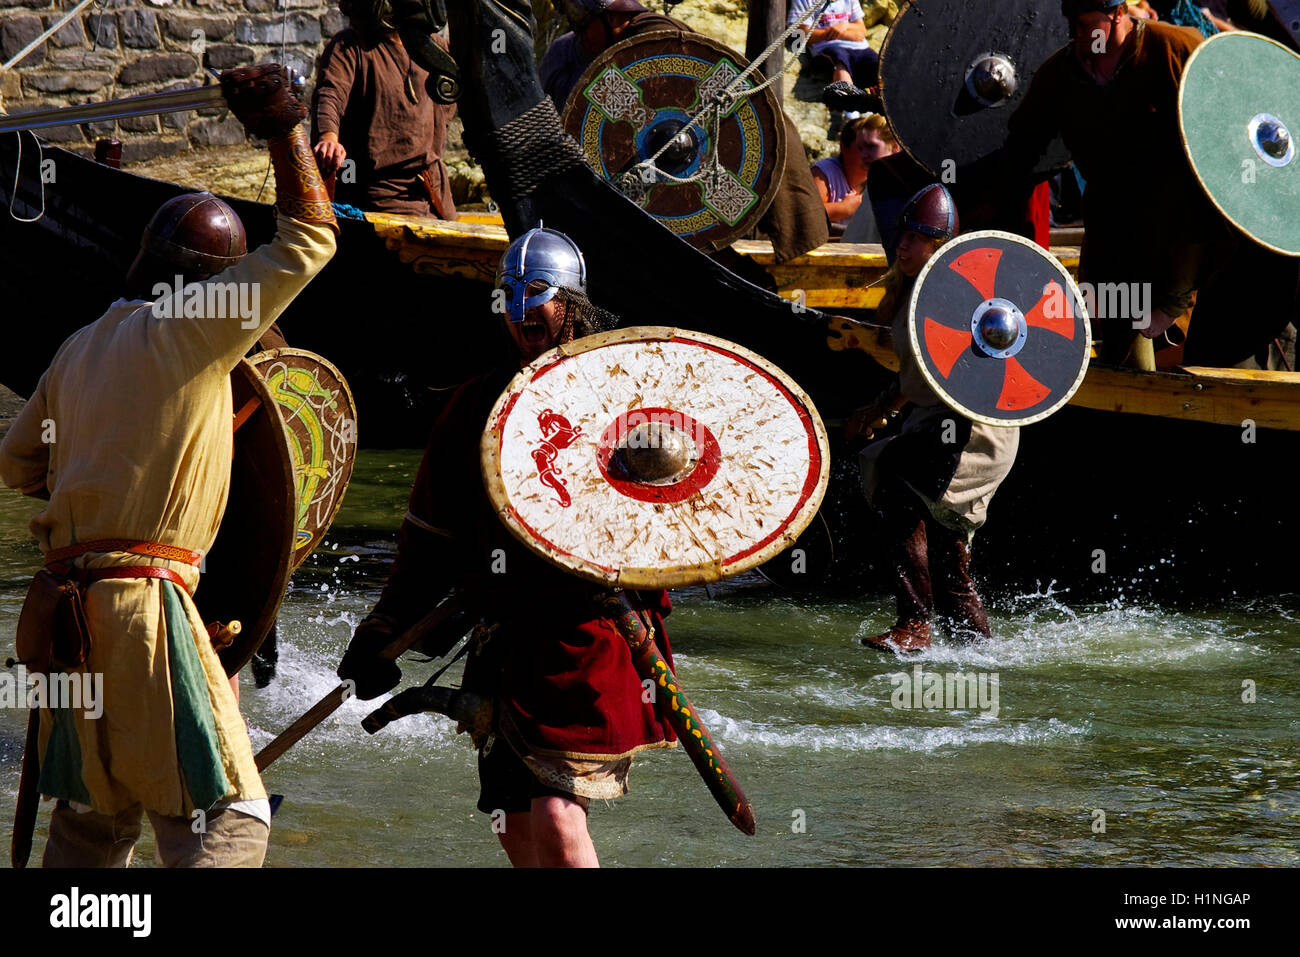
pixel 749 221
pixel 673 576
pixel 249 640
pixel 1187 148
pixel 300 554
pixel 915 343
pixel 884 100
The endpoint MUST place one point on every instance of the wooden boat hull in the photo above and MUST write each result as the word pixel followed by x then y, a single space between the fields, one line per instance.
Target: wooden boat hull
pixel 401 310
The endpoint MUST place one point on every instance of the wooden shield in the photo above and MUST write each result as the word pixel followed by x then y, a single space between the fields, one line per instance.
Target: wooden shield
pixel 320 423
pixel 999 329
pixel 1239 109
pixel 946 68
pixel 653 458
pixel 1287 13
pixel 643 93
pixel 246 572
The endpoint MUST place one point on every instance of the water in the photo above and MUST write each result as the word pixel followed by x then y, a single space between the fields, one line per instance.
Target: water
pixel 1130 711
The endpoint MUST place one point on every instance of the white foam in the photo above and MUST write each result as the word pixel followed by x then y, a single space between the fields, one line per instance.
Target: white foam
pixel 973 730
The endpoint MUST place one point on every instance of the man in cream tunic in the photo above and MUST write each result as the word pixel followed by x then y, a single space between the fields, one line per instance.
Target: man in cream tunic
pixel 129 432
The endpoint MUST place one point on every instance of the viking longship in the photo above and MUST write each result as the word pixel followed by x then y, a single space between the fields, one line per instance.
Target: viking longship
pixel 1146 476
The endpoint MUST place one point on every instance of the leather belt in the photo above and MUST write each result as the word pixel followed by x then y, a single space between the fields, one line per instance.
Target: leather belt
pixel 153 549
pixel 136 571
pixel 88 576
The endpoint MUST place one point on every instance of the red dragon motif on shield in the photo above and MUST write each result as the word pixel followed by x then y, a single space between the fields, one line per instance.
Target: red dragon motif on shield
pixel 557 434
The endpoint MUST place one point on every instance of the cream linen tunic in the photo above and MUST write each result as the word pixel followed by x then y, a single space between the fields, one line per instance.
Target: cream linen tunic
pixel 130 431
pixel 985 459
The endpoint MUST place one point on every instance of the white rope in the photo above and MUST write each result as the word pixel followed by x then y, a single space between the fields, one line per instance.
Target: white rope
pixel 647 170
pixel 18 165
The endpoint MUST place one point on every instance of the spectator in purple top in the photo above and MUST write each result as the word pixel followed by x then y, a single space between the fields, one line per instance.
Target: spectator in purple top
pixel 841 180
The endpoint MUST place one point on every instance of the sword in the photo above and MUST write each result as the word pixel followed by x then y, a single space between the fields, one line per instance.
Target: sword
pixel 174 101
pixel 29 798
pixel 327 705
pixel 195 98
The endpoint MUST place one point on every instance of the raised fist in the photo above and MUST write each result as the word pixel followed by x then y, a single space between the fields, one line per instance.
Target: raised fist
pixel 263 98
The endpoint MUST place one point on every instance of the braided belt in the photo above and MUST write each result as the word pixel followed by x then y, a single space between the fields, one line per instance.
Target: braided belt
pixel 153 549
pixel 56 560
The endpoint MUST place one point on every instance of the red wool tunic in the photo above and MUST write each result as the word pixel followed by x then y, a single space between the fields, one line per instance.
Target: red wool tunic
pixel 563 677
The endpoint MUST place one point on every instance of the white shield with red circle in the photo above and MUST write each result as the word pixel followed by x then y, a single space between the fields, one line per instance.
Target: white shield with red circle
pixel 654 457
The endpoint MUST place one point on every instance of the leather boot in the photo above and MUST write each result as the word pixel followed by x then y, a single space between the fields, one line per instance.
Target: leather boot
pixel 912 590
pixel 960 609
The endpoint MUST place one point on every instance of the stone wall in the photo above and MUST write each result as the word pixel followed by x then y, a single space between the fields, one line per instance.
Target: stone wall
pixel 118 48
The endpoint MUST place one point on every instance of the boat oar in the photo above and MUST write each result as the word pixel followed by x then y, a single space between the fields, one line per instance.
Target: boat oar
pixel 327 705
pixel 678 710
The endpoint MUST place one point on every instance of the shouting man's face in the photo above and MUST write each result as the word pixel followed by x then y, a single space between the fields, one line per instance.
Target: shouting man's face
pixel 542 328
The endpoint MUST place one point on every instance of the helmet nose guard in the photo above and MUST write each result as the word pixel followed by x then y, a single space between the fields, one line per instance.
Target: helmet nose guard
pixel 539 256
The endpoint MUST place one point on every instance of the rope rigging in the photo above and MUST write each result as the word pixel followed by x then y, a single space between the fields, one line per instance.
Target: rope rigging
pixel 720 104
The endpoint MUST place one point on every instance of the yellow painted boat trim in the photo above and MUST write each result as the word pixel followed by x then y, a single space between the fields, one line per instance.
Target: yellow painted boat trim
pixel 1236 397
pixel 833 276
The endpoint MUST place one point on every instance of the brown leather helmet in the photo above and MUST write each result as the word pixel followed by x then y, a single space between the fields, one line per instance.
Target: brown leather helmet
pixel 931 212
pixel 197 233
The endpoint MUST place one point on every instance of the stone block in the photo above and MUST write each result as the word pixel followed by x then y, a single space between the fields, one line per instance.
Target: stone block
pixel 15 34
pixel 226 56
pixel 101 30
pixel 157 67
pixel 140 29
pixel 71 34
pixel 332 21
pixel 67 81
pixel 296 28
pixel 81 60
pixel 180 27
pixel 217 132
pixel 139 124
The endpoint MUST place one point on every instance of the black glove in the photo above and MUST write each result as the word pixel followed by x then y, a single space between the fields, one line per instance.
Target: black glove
pixel 362 665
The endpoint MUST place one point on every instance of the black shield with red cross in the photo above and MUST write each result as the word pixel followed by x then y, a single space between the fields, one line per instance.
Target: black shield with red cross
pixel 999 329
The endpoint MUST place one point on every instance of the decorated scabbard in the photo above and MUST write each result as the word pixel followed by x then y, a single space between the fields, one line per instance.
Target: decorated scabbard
pixel 678 710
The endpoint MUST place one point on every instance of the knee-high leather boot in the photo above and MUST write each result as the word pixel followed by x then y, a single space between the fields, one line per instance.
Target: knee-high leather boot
pixel 912 589
pixel 960 610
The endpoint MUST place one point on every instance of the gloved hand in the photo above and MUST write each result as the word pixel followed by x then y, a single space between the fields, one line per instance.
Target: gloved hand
pixel 362 665
pixel 263 98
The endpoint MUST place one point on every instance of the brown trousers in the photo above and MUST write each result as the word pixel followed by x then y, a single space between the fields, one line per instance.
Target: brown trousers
pixel 90 839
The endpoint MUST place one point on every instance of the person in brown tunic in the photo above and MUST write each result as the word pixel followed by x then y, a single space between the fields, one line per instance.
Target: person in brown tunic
pixel 795 222
pixel 370 107
pixel 1112 96
pixel 931 484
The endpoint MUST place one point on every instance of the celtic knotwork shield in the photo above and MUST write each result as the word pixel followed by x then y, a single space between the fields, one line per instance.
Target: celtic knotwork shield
pixel 246 572
pixel 320 424
pixel 712 179
pixel 999 329
pixel 654 457
pixel 952 72
pixel 1239 109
